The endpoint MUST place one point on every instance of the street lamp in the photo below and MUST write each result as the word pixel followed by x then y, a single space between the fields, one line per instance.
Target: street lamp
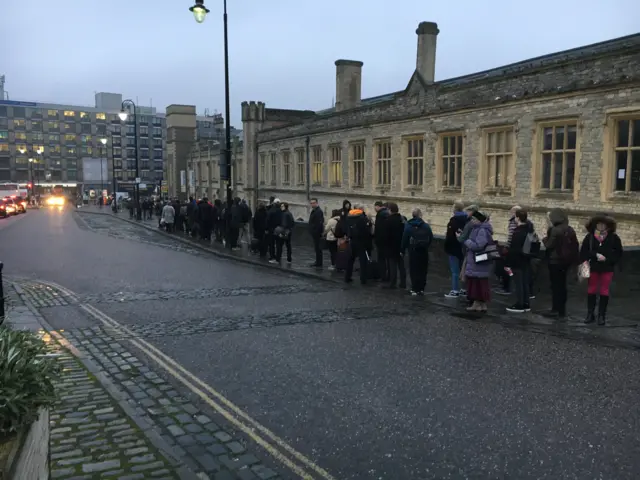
pixel 124 114
pixel 103 141
pixel 30 173
pixel 200 12
pixel 39 151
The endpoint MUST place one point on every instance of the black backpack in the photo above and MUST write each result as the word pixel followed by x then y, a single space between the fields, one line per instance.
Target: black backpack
pixel 421 237
pixel 568 248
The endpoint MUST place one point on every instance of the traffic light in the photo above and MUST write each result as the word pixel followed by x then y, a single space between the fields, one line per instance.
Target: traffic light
pixel 29 185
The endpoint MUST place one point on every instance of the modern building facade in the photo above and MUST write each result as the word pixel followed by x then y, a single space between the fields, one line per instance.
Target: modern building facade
pixel 562 130
pixel 69 136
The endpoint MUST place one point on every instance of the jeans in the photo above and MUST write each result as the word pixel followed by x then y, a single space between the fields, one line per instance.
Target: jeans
pixel 418 267
pixel 521 280
pixel 396 263
pixel 332 245
pixel 558 280
pixel 279 243
pixel 454 267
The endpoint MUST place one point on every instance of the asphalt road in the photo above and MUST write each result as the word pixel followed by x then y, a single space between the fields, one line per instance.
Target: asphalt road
pixel 367 386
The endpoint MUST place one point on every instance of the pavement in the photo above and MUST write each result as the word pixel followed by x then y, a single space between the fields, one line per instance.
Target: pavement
pixel 230 369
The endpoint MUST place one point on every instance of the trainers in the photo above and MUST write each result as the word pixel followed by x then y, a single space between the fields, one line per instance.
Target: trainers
pixel 532 297
pixel 527 307
pixel 516 309
pixel 413 294
pixel 452 294
pixel 463 292
pixel 502 291
pixel 273 261
pixel 332 268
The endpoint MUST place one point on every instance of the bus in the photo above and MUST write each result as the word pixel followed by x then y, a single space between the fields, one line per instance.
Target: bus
pixel 14 190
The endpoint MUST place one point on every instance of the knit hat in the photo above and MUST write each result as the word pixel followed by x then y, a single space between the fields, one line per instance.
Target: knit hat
pixel 479 216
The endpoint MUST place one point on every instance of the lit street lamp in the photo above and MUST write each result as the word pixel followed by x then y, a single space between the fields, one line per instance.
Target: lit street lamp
pixel 200 12
pixel 103 141
pixel 30 174
pixel 128 104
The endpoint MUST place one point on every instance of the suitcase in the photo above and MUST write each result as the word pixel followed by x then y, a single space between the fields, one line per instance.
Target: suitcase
pixel 343 256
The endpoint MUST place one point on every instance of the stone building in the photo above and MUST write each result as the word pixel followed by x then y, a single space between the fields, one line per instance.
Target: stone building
pixel 558 130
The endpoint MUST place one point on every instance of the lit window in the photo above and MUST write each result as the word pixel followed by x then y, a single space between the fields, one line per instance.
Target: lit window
pixel 415 161
pixel 36 125
pixel 20 147
pixel 559 156
pixel 18 122
pixel 335 166
pixel 38 148
pixel 54 125
pixel 101 116
pixel 21 136
pixel 87 150
pixel 85 138
pixel 52 113
pixel 82 114
pixel 54 137
pixel 498 157
pixel 316 172
pixel 383 163
pixel 451 160
pixel 286 168
pixel 70 150
pixel 37 137
pixel 4 134
pixel 69 137
pixel 357 159
pixel 54 149
pixel 4 147
pixel 274 169
pixel 627 149
pixel 301 167
pixel 263 168
pixel 69 113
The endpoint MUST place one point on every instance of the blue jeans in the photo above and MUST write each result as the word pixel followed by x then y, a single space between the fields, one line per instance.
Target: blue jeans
pixel 454 267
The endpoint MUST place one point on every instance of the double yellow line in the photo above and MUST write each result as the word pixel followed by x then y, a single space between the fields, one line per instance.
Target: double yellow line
pixel 274 445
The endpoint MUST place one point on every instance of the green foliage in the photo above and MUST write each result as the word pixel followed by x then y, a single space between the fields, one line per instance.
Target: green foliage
pixel 26 379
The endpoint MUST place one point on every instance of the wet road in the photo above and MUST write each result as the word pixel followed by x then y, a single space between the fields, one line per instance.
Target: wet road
pixel 364 385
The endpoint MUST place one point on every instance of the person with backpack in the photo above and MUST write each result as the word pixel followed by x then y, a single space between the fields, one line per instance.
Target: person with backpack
pixel 394 227
pixel 417 239
pixel 561 250
pixel 453 248
pixel 602 249
pixel 358 229
pixel 518 259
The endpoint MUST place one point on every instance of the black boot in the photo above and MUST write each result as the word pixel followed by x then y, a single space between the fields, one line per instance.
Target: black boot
pixel 591 307
pixel 602 309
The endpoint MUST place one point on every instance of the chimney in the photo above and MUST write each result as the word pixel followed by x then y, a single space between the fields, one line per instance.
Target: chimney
pixel 426 61
pixel 348 84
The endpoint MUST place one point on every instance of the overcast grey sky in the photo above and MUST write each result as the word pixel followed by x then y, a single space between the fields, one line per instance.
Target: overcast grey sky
pixel 281 51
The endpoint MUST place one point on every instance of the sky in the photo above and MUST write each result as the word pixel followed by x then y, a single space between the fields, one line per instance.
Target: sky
pixel 281 52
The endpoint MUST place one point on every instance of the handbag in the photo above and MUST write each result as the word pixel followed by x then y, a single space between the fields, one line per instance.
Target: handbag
pixel 584 270
pixel 488 254
pixel 282 232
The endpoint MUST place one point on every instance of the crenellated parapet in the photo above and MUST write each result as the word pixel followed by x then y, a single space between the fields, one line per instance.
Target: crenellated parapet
pixel 253 111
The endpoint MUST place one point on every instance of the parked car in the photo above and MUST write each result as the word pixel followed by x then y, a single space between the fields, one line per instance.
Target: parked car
pixel 11 208
pixel 3 209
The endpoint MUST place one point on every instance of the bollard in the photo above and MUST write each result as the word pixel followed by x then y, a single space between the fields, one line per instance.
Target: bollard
pixel 1 295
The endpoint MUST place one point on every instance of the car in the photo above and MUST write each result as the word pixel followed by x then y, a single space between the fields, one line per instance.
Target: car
pixel 21 203
pixel 3 209
pixel 56 201
pixel 9 207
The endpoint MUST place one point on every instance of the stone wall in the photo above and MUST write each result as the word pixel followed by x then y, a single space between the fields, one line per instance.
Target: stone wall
pixel 32 460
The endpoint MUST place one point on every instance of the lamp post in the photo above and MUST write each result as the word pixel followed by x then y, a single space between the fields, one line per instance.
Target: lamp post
pixel 200 12
pixel 31 177
pixel 40 151
pixel 103 141
pixel 128 104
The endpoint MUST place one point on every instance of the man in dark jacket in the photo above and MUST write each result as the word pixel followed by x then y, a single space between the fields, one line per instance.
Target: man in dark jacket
pixel 453 248
pixel 260 229
pixel 558 233
pixel 237 215
pixel 519 261
pixel 218 221
pixel 394 229
pixel 205 218
pixel 358 230
pixel 316 228
pixel 417 239
pixel 274 219
pixel 191 214
pixel 380 239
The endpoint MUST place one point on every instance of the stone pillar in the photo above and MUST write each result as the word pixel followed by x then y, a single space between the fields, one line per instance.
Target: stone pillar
pixel 426 58
pixel 181 137
pixel 348 84
pixel 253 117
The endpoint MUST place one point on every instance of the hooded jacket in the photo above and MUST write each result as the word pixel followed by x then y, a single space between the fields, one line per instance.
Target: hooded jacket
pixel 555 234
pixel 516 258
pixel 408 231
pixel 358 229
pixel 480 236
pixel 379 232
pixel 451 244
pixel 610 247
pixel 330 229
pixel 394 227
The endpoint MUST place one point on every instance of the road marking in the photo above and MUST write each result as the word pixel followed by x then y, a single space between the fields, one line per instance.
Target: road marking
pixel 221 404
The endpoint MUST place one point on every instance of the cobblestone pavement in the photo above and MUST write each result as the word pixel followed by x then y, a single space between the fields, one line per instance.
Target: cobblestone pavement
pixel 93 437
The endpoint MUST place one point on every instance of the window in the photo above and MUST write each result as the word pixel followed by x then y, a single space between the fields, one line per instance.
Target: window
pixel 69 127
pixel 286 168
pixel 52 113
pixel 71 163
pixel 357 158
pixel 85 128
pixel 19 112
pixel 559 156
pixel 316 172
pixel 415 161
pixel 69 113
pixel 144 131
pixel 4 134
pixel 3 111
pixel 274 169
pixel 627 149
pixel 19 123
pixel 21 136
pixel 36 125
pixel 131 130
pixel 36 113
pixel 144 153
pixel 451 160
pixel 301 168
pixel 498 157
pixel 37 148
pixel 101 116
pixel 131 153
pixel 54 150
pixel 4 147
pixel 157 142
pixel 54 137
pixel 70 138
pixel 117 151
pixel 82 115
pixel 383 163
pixel 157 154
pixel 37 137
pixel 72 174
pixel 87 150
pixel 263 168
pixel 70 151
pixel 157 131
pixel 335 166
pixel 54 126
pixel 85 138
